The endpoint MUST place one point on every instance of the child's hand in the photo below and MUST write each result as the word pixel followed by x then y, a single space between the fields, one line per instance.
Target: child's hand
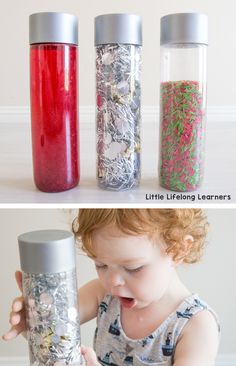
pixel 17 315
pixel 89 356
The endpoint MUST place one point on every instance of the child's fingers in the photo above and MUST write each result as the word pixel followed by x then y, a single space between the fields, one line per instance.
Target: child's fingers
pixel 18 304
pixel 13 332
pixel 89 356
pixel 18 277
pixel 17 315
pixel 16 318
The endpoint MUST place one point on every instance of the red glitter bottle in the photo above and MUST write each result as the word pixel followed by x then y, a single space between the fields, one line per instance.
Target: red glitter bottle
pixel 53 89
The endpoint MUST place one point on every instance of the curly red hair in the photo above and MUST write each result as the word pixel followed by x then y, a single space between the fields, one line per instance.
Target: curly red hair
pixel 172 225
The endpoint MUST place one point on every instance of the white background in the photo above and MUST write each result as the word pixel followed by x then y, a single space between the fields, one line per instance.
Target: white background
pixel 16 183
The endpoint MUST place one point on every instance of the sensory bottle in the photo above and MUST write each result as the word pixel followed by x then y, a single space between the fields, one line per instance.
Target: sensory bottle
pixel 118 42
pixel 183 89
pixel 50 293
pixel 54 100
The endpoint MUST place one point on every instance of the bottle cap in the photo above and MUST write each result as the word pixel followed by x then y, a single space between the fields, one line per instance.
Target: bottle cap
pixel 184 28
pixel 47 251
pixel 118 28
pixel 51 27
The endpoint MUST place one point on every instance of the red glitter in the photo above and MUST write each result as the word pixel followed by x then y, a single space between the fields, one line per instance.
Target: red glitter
pixel 54 116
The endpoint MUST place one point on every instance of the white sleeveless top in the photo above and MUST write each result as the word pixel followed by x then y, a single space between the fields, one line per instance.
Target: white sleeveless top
pixel 114 348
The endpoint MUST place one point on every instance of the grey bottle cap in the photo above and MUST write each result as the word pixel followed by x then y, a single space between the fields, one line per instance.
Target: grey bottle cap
pixel 53 27
pixel 118 28
pixel 184 28
pixel 47 251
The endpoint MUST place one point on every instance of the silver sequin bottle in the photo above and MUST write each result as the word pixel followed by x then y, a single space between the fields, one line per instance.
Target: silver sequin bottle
pixel 50 291
pixel 118 41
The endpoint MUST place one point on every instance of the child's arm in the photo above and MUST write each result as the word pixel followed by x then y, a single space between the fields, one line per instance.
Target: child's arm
pixel 89 298
pixel 199 342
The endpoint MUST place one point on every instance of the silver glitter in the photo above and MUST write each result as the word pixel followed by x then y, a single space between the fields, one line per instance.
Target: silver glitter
pixel 52 318
pixel 118 71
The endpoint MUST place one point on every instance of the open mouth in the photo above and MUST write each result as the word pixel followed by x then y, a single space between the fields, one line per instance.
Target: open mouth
pixel 127 302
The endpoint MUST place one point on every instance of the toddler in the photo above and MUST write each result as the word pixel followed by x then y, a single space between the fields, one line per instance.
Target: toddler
pixel 145 314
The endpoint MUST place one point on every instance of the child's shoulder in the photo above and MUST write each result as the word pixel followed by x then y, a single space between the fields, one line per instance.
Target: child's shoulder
pixel 93 289
pixel 204 320
pixel 99 290
pixel 201 328
pixel 198 313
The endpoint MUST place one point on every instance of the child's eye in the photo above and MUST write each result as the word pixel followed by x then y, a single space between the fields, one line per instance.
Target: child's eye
pixel 133 270
pixel 100 266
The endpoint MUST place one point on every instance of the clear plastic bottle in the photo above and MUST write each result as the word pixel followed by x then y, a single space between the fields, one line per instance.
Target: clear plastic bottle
pixel 50 292
pixel 54 100
pixel 184 40
pixel 118 40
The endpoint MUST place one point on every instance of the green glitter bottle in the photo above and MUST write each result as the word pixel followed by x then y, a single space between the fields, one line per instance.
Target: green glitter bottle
pixel 184 40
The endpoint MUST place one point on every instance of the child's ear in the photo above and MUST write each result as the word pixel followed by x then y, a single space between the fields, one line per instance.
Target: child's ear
pixel 187 244
pixel 186 247
pixel 188 240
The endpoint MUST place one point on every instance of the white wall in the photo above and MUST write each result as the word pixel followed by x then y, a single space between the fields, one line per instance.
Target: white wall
pixel 213 278
pixel 14 14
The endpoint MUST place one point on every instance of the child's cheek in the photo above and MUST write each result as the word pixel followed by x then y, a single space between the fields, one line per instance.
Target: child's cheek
pixel 145 285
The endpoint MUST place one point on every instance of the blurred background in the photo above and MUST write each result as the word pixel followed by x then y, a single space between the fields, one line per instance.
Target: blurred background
pixel 213 278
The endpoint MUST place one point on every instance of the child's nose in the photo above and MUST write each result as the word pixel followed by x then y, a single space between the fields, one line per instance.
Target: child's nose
pixel 115 278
